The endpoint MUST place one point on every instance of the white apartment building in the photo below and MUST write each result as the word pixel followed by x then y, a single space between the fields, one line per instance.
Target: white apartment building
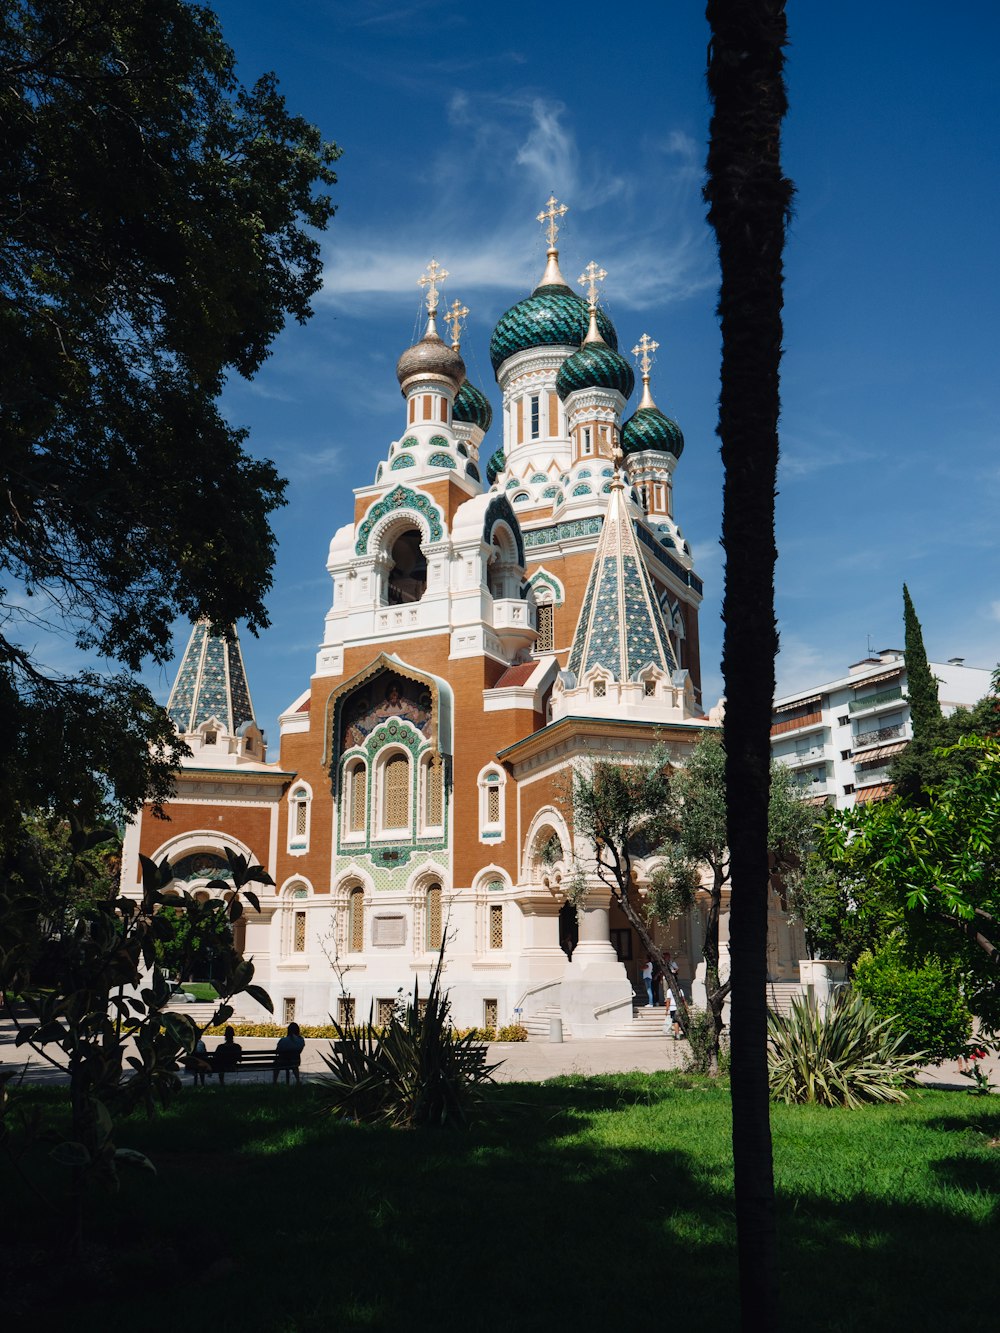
pixel 840 738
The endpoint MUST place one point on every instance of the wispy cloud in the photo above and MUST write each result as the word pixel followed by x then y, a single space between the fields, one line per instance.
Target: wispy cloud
pixel 527 143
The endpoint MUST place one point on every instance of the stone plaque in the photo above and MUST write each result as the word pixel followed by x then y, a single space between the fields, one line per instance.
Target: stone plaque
pixel 388 931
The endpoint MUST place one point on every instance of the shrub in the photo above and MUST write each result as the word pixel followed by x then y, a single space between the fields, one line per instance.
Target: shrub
pixel 844 1057
pixel 924 1003
pixel 416 1071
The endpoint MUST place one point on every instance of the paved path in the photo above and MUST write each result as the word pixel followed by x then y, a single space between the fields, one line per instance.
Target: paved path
pixel 520 1062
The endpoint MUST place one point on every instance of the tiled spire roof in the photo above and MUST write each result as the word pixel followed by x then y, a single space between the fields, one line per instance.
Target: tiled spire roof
pixel 211 682
pixel 621 626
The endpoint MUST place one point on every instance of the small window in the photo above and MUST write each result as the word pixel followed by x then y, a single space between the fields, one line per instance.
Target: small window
pixel 345 1011
pixel 600 689
pixel 383 1011
pixel 298 819
pixel 299 933
pixel 434 931
pixel 535 417
pixel 587 443
pixel 356 921
pixel 211 737
pixel 843 721
pixel 845 754
pixel 493 804
pixel 545 620
pixel 491 1014
pixel 649 688
pixel 434 792
pixel 496 926
pixel 288 1010
pixel 848 788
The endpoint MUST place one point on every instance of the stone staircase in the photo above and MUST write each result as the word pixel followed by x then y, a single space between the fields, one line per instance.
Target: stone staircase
pixel 780 995
pixel 538 1023
pixel 199 1012
pixel 647 1021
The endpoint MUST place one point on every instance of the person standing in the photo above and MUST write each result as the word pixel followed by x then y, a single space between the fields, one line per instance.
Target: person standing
pixel 647 980
pixel 672 1011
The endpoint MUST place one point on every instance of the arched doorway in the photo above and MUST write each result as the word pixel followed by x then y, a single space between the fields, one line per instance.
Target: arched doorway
pixel 569 929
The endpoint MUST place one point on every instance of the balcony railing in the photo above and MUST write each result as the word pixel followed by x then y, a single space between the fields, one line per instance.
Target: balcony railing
pixel 878 737
pixel 876 700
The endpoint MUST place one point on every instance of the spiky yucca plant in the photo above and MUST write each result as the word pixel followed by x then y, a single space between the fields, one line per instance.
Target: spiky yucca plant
pixel 843 1057
pixel 414 1071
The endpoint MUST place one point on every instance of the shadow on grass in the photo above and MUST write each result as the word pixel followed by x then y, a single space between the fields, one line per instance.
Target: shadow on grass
pixel 578 1203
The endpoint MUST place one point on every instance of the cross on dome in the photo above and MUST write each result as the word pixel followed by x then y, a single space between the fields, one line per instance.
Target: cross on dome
pixel 643 352
pixel 589 278
pixel 553 209
pixel 435 274
pixel 454 316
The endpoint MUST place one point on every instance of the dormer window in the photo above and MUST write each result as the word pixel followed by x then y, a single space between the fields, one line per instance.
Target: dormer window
pixel 211 737
pixel 600 689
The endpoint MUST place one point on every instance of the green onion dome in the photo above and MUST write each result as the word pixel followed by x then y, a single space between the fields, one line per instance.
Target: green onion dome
pixel 495 466
pixel 552 316
pixel 650 429
pixel 595 366
pixel 472 406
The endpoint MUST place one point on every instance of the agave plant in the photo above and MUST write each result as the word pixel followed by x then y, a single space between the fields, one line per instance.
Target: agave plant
pixel 414 1071
pixel 843 1057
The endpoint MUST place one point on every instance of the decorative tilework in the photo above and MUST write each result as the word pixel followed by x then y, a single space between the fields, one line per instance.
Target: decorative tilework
pixel 584 473
pixel 659 550
pixel 211 682
pixel 400 498
pixel 549 492
pixel 441 460
pixel 582 489
pixel 437 442
pixel 401 461
pixel 411 442
pixel 513 484
pixel 472 471
pixel 595 366
pixel 537 477
pixel 497 463
pixel 558 532
pixel 473 406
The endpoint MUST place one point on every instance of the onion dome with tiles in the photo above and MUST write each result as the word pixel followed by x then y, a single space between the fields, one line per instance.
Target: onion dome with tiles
pixel 472 406
pixel 496 465
pixel 552 316
pixel 595 366
pixel 649 428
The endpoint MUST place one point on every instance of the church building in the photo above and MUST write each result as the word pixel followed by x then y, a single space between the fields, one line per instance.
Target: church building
pixel 504 606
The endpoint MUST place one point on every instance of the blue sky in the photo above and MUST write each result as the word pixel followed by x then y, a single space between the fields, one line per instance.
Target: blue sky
pixel 457 121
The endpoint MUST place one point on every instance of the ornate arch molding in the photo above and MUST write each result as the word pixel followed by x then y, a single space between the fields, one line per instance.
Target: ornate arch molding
pixel 438 730
pixel 542 579
pixel 401 500
pixel 500 510
pixel 548 817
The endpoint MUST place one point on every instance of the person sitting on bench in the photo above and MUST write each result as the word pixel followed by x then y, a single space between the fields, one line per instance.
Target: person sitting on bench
pixel 227 1056
pixel 288 1053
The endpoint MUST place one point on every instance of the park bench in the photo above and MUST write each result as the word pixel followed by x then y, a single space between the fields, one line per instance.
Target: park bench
pixel 255 1060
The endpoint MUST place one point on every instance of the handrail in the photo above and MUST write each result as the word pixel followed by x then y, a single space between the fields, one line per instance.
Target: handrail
pixel 534 990
pixel 617 1004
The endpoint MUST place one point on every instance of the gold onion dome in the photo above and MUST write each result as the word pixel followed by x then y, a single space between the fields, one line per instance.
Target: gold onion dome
pixel 595 365
pixel 431 356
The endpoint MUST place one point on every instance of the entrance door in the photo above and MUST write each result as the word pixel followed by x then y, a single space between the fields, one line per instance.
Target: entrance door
pixel 569 929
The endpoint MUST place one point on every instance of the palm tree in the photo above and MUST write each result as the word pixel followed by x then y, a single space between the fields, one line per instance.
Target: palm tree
pixel 749 201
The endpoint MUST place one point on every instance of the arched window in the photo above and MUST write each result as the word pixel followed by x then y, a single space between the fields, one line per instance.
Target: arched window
pixel 434 925
pixel 433 782
pixel 356 797
pixel 356 920
pixel 299 802
pixel 408 576
pixel 492 781
pixel 545 622
pixel 396 792
pixel 295 917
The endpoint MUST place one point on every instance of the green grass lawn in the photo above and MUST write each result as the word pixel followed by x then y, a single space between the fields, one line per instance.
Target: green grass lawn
pixel 201 990
pixel 581 1204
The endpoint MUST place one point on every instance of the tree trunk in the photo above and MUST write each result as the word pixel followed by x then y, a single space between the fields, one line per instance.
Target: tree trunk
pixel 748 204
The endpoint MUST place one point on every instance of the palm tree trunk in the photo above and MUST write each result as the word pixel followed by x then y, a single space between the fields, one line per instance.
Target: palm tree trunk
pixel 748 202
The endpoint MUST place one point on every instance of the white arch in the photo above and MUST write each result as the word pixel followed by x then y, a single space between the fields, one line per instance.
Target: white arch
pixel 549 816
pixel 200 840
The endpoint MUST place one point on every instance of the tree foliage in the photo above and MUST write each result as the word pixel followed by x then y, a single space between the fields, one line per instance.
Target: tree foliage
pixel 939 865
pixel 88 999
pixel 922 1000
pixel 201 933
pixel 157 227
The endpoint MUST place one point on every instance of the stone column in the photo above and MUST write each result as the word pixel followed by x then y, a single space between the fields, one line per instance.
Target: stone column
pixel 596 991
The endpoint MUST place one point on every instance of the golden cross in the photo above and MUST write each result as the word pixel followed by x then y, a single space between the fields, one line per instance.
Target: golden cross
pixel 456 312
pixel 644 352
pixel 553 210
pixel 589 278
pixel 430 280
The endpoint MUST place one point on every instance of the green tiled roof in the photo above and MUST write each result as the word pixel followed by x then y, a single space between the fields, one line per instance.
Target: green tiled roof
pixel 496 465
pixel 473 406
pixel 551 316
pixel 595 366
pixel 650 429
pixel 211 682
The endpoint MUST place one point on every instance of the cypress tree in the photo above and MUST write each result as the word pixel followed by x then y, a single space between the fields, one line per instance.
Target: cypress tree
pixel 917 766
pixel 925 707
